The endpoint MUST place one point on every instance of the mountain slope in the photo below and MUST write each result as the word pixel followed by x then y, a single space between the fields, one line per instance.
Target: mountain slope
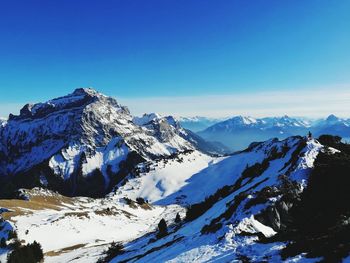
pixel 155 122
pixel 230 207
pixel 238 207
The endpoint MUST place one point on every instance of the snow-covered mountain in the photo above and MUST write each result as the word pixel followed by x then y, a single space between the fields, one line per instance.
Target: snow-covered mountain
pixel 239 122
pixel 333 120
pixel 198 123
pixel 333 125
pixel 82 140
pixel 154 122
pixel 239 131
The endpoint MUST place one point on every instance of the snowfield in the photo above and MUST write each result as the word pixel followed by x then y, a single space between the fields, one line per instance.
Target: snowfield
pixel 166 177
pixel 80 229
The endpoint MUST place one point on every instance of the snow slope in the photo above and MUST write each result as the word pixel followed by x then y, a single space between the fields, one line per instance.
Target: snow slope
pixel 229 242
pixel 165 177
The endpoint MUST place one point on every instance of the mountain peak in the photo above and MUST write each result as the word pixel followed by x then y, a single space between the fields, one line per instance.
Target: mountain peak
pixel 285 117
pixel 84 131
pixel 86 91
pixel 332 118
pixel 146 118
pixel 80 97
pixel 243 120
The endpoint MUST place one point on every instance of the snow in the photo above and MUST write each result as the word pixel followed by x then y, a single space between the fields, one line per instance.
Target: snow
pixel 86 224
pixel 302 259
pixel 84 121
pixel 197 175
pixel 3 122
pixel 61 230
pixel 65 162
pixel 306 162
pixel 111 155
pixel 191 245
pixel 251 225
pixel 197 118
pixel 166 177
pixel 146 118
pixel 81 228
pixel 261 123
pixel 3 255
pixel 62 102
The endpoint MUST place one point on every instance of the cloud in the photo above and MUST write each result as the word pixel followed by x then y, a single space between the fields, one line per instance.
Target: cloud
pixel 307 102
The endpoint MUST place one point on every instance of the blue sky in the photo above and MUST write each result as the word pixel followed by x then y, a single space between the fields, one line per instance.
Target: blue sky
pixel 166 51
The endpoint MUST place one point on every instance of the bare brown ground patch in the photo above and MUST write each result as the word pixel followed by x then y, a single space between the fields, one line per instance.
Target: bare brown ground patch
pixel 107 212
pixel 113 212
pixel 78 214
pixel 54 253
pixel 21 207
pixel 146 206
pixel 63 250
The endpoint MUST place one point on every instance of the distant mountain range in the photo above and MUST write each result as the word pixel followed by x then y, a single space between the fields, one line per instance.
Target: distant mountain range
pixel 198 123
pixel 238 132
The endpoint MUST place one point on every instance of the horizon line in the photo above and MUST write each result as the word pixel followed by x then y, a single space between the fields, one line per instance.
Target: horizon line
pixel 308 103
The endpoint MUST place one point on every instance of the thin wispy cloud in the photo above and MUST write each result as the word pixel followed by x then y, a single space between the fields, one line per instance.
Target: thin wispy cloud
pixel 309 102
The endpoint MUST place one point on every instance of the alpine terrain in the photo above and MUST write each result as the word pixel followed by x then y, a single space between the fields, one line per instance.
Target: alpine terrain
pixel 83 180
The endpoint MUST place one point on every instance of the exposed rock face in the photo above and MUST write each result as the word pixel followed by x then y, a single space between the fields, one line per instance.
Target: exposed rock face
pixel 82 134
pixel 314 220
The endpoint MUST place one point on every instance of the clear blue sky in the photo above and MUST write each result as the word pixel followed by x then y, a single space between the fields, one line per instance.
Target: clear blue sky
pixel 165 48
